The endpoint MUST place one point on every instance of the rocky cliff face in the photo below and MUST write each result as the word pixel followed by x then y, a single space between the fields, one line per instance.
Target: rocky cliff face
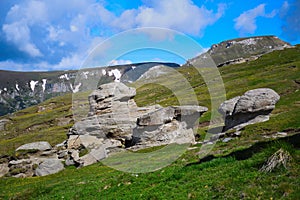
pixel 19 90
pixel 242 49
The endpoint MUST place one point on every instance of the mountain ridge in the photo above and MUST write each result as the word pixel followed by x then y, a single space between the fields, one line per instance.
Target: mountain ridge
pixel 239 50
pixel 19 90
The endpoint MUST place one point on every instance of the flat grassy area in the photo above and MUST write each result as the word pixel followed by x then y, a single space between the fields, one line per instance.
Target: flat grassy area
pixel 225 177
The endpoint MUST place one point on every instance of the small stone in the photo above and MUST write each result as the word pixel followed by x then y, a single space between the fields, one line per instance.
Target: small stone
pixel 282 134
pixel 4 169
pixel 227 139
pixel 69 162
pixel 22 175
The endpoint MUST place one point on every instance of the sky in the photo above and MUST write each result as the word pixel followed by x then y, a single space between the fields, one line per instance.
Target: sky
pixel 45 35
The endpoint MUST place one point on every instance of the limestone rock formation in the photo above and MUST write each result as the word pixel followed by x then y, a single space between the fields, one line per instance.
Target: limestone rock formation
pixel 40 146
pixel 115 122
pixel 167 125
pixel 252 107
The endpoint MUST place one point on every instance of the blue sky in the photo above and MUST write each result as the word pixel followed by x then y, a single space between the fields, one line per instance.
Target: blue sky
pixel 58 35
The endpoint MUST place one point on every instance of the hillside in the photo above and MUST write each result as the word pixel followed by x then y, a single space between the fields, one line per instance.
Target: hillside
pixel 230 172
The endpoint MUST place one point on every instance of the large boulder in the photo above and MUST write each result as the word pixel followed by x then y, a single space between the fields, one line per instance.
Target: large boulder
pixel 49 166
pixel 39 146
pixel 252 107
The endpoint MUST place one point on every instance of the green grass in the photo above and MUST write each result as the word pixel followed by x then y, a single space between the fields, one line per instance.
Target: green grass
pixel 221 178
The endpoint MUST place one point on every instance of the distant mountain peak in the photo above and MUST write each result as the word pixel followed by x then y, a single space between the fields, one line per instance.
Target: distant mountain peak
pixel 243 49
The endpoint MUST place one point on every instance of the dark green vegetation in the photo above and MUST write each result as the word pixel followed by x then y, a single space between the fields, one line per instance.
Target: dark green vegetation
pixel 226 177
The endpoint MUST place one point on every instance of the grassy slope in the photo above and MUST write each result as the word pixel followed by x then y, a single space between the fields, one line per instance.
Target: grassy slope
pixel 29 125
pixel 222 178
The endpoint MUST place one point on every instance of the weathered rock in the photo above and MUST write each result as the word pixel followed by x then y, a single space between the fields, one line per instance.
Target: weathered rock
pixel 167 125
pixel 49 166
pixel 4 169
pixel 227 139
pixel 20 162
pixel 112 113
pixel 227 107
pixel 94 156
pixel 40 146
pixel 21 175
pixel 173 132
pixel 109 92
pixel 158 117
pixel 252 107
pixel 69 162
pixel 62 154
pixel 49 153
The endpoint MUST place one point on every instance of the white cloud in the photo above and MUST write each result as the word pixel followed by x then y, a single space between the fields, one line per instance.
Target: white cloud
pixel 19 34
pixel 246 22
pixel 284 8
pixel 20 18
pixel 181 15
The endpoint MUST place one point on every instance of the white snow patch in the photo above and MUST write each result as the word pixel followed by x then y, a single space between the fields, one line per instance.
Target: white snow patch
pixel 86 74
pixel 44 84
pixel 17 87
pixel 64 76
pixel 133 67
pixel 32 85
pixel 76 89
pixel 103 72
pixel 116 73
pixel 250 41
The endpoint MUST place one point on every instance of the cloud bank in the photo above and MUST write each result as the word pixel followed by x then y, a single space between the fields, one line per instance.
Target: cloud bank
pixel 52 34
